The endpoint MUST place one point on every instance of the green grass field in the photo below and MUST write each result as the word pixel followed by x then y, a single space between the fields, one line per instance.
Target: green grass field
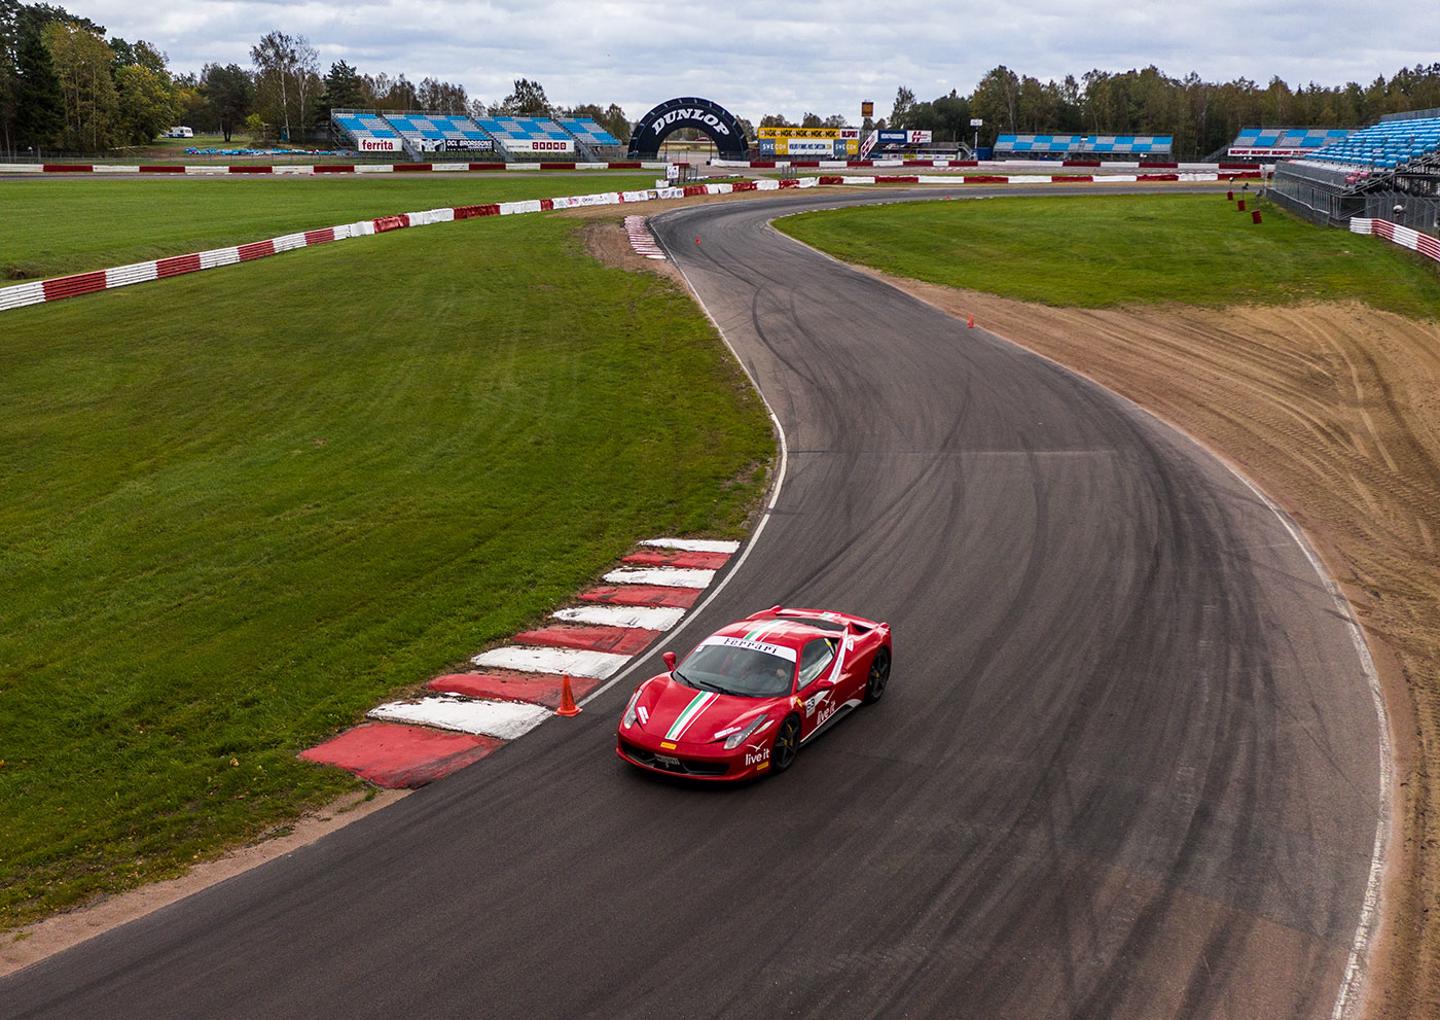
pixel 241 508
pixel 53 226
pixel 1095 252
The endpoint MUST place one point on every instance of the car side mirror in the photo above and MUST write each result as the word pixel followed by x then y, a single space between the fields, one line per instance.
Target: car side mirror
pixel 669 658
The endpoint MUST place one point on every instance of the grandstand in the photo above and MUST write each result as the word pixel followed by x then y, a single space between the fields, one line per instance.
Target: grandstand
pixel 417 133
pixel 366 131
pixel 1083 145
pixel 588 132
pixel 1389 170
pixel 1269 144
pixel 433 132
pixel 539 136
pixel 1388 145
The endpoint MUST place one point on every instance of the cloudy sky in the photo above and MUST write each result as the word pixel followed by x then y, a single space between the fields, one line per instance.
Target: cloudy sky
pixel 759 57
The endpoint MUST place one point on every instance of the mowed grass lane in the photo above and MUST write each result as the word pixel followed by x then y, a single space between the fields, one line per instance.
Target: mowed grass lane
pixel 244 507
pixel 1107 251
pixel 53 226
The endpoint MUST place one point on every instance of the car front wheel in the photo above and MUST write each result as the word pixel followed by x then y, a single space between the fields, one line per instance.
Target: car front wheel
pixel 787 744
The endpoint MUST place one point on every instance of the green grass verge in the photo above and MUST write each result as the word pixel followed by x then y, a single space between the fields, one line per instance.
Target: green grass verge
pixel 1098 252
pixel 53 226
pixel 243 507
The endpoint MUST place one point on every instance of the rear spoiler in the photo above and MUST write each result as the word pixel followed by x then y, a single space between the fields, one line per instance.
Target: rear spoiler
pixel 856 623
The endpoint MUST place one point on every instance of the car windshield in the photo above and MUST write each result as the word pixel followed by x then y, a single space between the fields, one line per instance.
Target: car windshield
pixel 735 669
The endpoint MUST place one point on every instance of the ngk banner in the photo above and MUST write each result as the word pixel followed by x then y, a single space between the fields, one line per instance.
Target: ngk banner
pixel 539 145
pixel 788 131
pixel 379 144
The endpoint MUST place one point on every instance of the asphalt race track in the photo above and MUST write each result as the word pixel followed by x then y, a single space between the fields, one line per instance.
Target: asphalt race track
pixel 1127 765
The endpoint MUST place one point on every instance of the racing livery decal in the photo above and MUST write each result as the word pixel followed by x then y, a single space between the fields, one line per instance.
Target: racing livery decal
pixel 689 714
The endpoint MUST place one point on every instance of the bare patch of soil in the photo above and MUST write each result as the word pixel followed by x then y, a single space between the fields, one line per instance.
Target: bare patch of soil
pixel 1334 409
pixel 45 938
pixel 607 242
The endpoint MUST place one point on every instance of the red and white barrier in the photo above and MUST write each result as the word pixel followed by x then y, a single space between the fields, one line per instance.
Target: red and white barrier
pixel 1000 166
pixel 308 169
pixel 318 169
pixel 953 179
pixel 1396 234
pixel 43 291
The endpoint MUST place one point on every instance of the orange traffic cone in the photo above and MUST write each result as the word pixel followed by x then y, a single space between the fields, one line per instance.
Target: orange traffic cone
pixel 970 321
pixel 567 707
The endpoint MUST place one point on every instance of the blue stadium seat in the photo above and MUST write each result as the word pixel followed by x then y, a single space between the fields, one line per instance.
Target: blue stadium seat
pixel 365 125
pixel 1383 146
pixel 529 134
pixel 1285 139
pixel 586 130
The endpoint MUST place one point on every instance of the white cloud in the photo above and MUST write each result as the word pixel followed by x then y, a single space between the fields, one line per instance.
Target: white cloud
pixel 757 57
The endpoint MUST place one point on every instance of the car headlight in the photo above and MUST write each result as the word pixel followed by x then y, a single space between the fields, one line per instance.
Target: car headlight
pixel 735 735
pixel 632 710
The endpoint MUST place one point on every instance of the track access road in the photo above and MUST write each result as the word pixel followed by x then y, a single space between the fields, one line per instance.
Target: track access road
pixel 1127 765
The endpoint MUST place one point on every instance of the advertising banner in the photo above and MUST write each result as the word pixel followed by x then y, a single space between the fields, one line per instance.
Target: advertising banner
pixel 1268 153
pixel 811 146
pixel 468 145
pixel 786 131
pixel 454 144
pixel 905 137
pixel 379 144
pixel 539 145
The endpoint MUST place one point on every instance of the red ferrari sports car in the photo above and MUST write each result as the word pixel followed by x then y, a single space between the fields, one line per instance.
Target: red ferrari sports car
pixel 750 695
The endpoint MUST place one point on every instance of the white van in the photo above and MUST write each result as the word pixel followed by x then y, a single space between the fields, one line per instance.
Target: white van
pixel 179 132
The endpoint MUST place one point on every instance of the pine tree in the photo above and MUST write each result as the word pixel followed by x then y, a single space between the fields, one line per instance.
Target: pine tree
pixel 40 112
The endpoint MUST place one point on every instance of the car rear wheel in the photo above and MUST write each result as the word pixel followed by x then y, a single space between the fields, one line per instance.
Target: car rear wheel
pixel 787 744
pixel 879 676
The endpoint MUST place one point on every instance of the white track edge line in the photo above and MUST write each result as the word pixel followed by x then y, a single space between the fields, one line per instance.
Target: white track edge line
pixel 1347 998
pixel 744 554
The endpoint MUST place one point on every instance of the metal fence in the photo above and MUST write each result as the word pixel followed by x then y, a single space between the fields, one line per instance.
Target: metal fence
pixel 1416 211
pixel 1320 196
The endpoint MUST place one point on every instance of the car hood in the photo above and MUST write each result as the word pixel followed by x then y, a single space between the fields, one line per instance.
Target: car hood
pixel 676 712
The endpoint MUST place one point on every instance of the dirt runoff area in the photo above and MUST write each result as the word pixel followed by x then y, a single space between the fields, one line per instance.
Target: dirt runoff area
pixel 1334 410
